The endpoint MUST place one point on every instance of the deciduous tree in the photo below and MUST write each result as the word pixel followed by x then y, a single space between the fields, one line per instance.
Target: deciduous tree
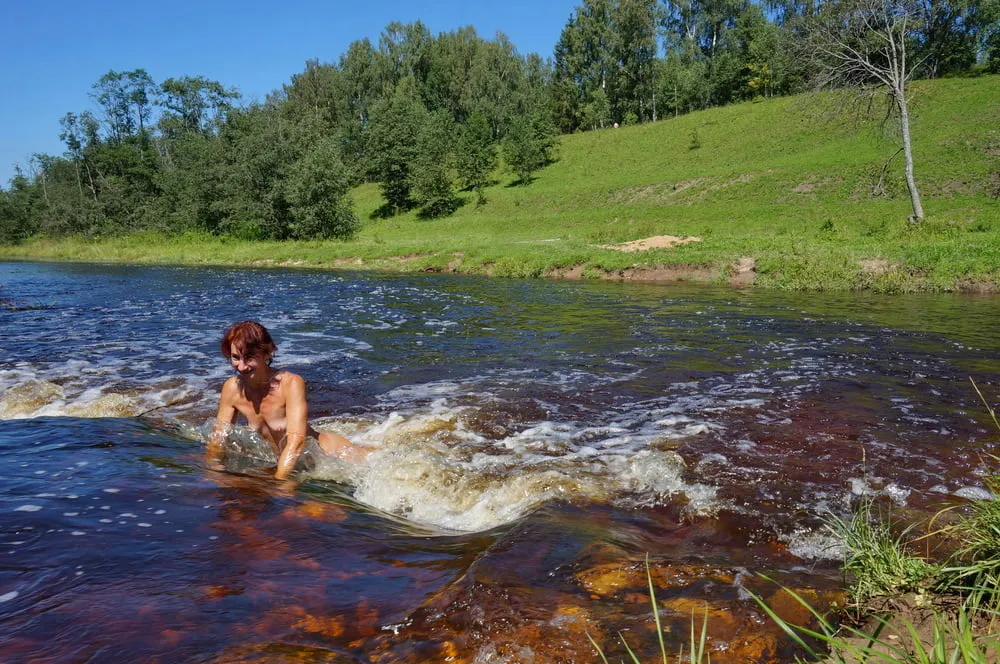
pixel 392 143
pixel 195 103
pixel 318 193
pixel 431 177
pixel 126 99
pixel 476 155
pixel 528 146
pixel 864 46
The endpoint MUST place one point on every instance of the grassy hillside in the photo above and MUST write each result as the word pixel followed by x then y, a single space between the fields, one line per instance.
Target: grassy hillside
pixel 786 182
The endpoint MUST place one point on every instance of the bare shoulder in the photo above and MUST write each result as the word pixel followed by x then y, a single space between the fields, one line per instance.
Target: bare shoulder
pixel 231 389
pixel 291 382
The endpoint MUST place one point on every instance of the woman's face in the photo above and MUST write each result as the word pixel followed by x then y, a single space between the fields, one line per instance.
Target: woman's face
pixel 244 364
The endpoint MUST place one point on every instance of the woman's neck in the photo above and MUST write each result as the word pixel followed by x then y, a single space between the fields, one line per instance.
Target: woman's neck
pixel 260 384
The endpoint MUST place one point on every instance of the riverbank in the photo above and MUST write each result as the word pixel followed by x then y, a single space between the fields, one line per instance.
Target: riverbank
pixel 781 194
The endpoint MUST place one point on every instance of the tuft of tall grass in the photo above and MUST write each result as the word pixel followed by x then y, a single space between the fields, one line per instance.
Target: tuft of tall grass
pixel 951 641
pixel 975 570
pixel 876 558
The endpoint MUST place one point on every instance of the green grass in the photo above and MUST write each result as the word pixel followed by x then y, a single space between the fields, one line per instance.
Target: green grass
pixel 953 640
pixel 878 560
pixel 786 182
pixel 976 566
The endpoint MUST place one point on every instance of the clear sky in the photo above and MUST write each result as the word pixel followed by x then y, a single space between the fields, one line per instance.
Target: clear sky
pixel 51 52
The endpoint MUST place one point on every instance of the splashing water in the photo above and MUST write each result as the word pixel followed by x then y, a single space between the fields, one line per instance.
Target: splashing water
pixel 531 442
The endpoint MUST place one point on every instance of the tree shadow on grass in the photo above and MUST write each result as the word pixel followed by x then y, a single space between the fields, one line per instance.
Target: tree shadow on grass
pixel 531 177
pixel 471 189
pixel 520 183
pixel 444 210
pixel 388 211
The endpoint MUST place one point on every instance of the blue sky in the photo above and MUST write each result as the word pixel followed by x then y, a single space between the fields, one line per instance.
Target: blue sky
pixel 52 52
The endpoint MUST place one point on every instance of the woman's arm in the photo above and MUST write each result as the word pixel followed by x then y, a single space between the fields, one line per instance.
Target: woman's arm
pixel 226 416
pixel 296 428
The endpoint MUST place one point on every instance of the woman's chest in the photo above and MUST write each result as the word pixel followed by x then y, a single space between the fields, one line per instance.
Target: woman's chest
pixel 270 410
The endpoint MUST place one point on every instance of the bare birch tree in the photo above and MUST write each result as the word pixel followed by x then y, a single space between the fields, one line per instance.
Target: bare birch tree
pixel 862 45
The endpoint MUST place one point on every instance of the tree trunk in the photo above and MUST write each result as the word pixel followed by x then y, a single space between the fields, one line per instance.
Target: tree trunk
pixel 911 183
pixel 90 177
pixel 79 180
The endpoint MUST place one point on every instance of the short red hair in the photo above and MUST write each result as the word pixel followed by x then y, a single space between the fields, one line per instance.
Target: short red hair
pixel 250 338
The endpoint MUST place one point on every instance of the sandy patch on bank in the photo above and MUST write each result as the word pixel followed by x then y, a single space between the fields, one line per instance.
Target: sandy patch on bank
pixel 876 266
pixel 655 242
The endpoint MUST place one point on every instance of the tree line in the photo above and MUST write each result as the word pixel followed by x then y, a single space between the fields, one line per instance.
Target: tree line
pixel 427 116
pixel 627 61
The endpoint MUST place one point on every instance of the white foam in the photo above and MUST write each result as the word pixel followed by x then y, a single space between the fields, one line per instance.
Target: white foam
pixel 481 490
pixel 28 508
pixel 814 545
pixel 974 493
pixel 897 493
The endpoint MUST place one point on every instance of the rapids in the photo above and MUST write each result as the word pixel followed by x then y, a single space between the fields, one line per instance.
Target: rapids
pixel 532 442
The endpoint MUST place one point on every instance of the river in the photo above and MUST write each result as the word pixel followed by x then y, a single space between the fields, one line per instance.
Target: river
pixel 533 442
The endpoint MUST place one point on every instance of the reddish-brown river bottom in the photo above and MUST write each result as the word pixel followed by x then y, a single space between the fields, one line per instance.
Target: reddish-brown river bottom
pixel 533 443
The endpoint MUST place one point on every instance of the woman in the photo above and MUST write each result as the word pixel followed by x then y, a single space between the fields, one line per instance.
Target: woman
pixel 272 401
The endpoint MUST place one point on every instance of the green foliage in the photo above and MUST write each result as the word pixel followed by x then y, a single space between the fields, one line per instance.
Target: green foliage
pixel 528 147
pixel 257 149
pixel 318 196
pixel 766 178
pixel 392 143
pixel 191 180
pixel 953 641
pixel 126 100
pixel 431 176
pixel 977 566
pixel 184 156
pixel 605 64
pixel 953 34
pixel 695 142
pixel 16 220
pixel 596 113
pixel 194 104
pixel 476 155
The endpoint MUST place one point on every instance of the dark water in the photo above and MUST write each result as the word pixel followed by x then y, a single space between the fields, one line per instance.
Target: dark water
pixel 533 442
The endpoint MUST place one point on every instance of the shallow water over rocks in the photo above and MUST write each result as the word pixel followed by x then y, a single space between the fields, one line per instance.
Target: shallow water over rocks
pixel 533 442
